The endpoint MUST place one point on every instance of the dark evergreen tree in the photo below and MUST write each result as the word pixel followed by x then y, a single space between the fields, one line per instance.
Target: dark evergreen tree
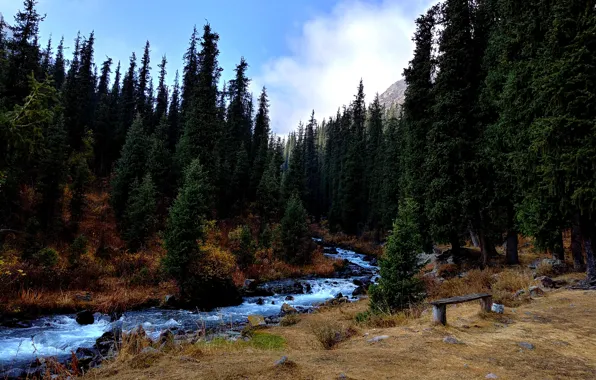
pixel 161 106
pixel 143 106
pixel 129 167
pixel 260 144
pixel 24 57
pixel 159 159
pixel 311 168
pixel 295 240
pixel 398 287
pixel 127 102
pixel 139 216
pixel 58 69
pixel 174 116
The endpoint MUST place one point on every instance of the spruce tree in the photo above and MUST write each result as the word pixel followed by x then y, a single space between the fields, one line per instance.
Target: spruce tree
pixel 374 167
pixel 143 105
pixel 296 244
pixel 161 106
pixel 311 167
pixel 139 216
pixel 260 144
pixel 129 167
pixel 58 69
pixel 398 287
pixel 174 116
pixel 159 159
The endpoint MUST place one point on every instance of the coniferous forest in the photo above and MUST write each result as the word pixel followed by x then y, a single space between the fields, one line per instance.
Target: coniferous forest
pixel 496 139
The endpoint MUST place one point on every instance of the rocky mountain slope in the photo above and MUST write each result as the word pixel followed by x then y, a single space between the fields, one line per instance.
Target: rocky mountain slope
pixel 394 95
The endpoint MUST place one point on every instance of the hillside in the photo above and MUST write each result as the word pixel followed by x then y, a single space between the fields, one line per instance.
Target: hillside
pixel 394 95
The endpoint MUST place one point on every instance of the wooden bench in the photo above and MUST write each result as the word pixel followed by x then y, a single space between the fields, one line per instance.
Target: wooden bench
pixel 440 306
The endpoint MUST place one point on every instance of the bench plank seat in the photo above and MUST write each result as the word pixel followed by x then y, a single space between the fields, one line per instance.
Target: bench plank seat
pixel 460 299
pixel 440 306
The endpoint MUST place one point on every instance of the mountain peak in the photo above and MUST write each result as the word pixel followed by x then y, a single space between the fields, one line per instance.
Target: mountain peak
pixel 394 95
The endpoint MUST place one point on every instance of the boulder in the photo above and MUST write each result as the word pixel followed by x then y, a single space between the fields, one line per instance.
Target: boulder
pixel 290 298
pixel 535 291
pixel 287 309
pixel 85 317
pixel 256 320
pixel 260 301
pixel 359 291
pixel 498 308
pixel 249 283
pixel 545 282
pixel 170 301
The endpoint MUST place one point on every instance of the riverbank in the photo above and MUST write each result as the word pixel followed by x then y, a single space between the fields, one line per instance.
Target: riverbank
pixel 551 336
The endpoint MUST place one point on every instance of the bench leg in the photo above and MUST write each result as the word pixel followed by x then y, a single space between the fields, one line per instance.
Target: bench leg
pixel 440 314
pixel 486 304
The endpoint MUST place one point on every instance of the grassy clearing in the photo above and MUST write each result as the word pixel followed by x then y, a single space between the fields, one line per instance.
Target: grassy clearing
pixel 559 325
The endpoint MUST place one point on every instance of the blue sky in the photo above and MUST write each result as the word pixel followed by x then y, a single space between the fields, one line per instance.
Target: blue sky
pixel 309 53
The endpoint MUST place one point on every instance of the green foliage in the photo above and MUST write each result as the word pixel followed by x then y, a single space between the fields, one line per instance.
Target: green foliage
pixel 242 245
pixel 399 287
pixel 139 217
pixel 77 249
pixel 296 244
pixel 130 167
pixel 47 257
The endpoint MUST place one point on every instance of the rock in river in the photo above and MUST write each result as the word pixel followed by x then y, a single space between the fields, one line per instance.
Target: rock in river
pixel 287 309
pixel 85 317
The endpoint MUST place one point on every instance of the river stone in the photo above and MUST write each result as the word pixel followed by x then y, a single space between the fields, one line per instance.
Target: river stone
pixel 85 317
pixel 169 301
pixel 260 301
pixel 256 320
pixel 290 298
pixel 526 345
pixel 287 309
pixel 359 291
pixel 498 308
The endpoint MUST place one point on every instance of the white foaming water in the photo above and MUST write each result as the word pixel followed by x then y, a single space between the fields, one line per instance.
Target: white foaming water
pixel 48 337
pixel 59 335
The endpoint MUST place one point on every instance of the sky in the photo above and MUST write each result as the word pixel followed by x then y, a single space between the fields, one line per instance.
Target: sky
pixel 309 54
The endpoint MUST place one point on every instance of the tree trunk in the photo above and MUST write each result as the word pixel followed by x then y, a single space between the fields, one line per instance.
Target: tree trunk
pixel 558 250
pixel 484 248
pixel 576 245
pixel 455 247
pixel 591 267
pixel 512 256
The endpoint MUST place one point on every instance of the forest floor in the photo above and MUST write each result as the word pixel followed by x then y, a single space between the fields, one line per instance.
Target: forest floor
pixel 557 333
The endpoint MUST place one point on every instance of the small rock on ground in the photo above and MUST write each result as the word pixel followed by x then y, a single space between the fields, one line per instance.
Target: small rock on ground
pixel 282 361
pixel 451 340
pixel 378 338
pixel 498 308
pixel 526 345
pixel 491 376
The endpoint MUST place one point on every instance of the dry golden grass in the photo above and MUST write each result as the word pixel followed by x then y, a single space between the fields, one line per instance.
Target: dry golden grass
pixel 502 283
pixel 560 325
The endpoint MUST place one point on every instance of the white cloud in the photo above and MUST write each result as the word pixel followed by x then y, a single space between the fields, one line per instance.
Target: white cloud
pixel 326 61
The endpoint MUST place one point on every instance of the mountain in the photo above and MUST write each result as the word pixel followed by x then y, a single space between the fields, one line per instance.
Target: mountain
pixel 394 95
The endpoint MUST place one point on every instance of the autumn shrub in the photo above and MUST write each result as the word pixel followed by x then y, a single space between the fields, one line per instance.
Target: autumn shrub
pixel 330 333
pixel 290 320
